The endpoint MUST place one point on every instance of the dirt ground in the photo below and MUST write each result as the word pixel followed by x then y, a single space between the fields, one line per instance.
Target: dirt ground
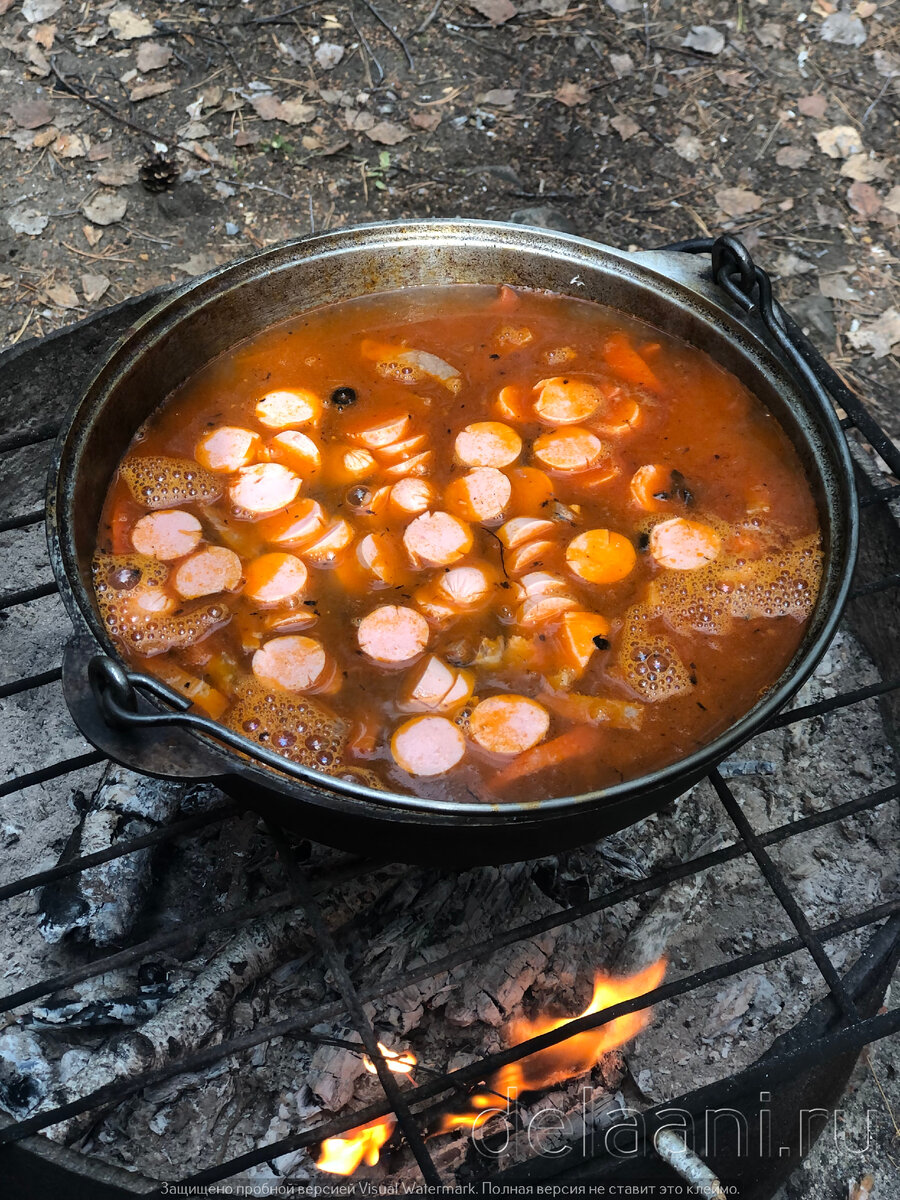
pixel 633 123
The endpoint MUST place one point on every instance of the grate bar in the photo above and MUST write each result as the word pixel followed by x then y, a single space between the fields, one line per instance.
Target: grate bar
pixel 75 865
pixel 26 595
pixel 776 882
pixel 35 517
pixel 484 949
pixel 29 682
pixel 834 702
pixel 350 997
pixel 121 1089
pixel 18 441
pixel 19 782
pixel 879 585
pixel 474 1073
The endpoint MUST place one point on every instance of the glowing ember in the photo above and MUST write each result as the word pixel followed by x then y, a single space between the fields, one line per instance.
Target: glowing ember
pixel 342 1155
pixel 401 1063
pixel 569 1059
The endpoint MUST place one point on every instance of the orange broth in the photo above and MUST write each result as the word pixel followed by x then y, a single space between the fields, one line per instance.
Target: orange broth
pixel 596 605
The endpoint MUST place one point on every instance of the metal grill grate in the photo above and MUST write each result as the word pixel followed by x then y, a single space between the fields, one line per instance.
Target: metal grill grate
pixel 412 1105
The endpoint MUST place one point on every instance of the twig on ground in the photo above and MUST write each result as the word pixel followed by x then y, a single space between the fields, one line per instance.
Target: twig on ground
pixel 392 31
pixel 434 12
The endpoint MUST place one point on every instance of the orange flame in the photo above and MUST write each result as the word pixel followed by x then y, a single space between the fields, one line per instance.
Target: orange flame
pixel 342 1155
pixel 401 1063
pixel 568 1059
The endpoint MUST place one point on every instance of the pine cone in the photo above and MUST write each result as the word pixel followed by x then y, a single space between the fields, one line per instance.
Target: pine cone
pixel 159 173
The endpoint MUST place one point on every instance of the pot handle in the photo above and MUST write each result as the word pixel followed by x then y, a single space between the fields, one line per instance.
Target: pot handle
pixel 117 695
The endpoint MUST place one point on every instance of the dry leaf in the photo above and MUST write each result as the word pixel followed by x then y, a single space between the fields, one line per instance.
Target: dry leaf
pixel 864 167
pixel 246 137
pixel 26 220
pixel 127 25
pixel 836 287
pixel 571 94
pixel 144 91
pixel 688 147
pixel 737 202
pixel 863 199
pixel 792 156
pixel 892 200
pixel 880 337
pixel 425 120
pixel 45 137
pixel 499 97
pixel 70 145
pixel 789 265
pixel 40 10
pixel 37 60
pixel 358 119
pixel 118 174
pixel 298 112
pixel 771 34
pixel 622 64
pixel 105 208
pixel 44 35
pixel 31 114
pixel 200 264
pixel 386 133
pixel 63 296
pixel 886 62
pixel 91 235
pixel 840 141
pixel 151 56
pixel 328 55
pixel 843 28
pixel 267 107
pixel 626 127
pixel 93 287
pixel 812 106
pixel 100 151
pixel 496 11
pixel 735 79
pixel 705 39
pixel 866 9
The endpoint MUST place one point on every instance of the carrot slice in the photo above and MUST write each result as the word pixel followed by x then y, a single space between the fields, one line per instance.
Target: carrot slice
pixel 651 487
pixel 577 637
pixel 511 404
pixel 622 358
pixel 576 743
pixel 683 545
pixel 601 556
pixel 509 724
pixel 598 710
pixel 532 492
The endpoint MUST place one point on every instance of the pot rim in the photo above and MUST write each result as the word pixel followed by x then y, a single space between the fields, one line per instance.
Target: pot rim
pixel 708 306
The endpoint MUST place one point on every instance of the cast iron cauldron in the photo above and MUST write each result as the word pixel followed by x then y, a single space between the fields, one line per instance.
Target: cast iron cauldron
pixel 143 724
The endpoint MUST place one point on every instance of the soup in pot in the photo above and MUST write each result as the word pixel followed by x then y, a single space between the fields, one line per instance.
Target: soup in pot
pixel 472 543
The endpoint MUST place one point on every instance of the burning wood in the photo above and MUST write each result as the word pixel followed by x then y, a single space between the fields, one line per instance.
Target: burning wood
pixel 684 1162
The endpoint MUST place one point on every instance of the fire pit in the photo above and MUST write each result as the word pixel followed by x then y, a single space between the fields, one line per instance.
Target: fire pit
pixel 192 997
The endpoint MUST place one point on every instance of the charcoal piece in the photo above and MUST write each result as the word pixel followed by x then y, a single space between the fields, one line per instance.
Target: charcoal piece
pixel 77 1012
pixel 26 1075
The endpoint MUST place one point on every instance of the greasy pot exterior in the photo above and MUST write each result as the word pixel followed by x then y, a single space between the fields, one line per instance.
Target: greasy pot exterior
pixel 186 331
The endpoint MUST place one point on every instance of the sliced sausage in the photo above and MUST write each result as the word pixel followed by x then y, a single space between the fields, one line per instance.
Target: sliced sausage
pixel 620 415
pixel 294 662
pixel 511 405
pixel 167 534
pixel 301 523
pixel 329 546
pixel 275 578
pixel 412 496
pixel 392 634
pixel 297 451
pixel 227 449
pixel 264 488
pixel 600 556
pixel 400 450
pixel 437 539
pixel 419 465
pixel 480 495
pixel 379 434
pixel 212 569
pixel 464 587
pixel 352 464
pixel 571 449
pixel 531 554
pixel 567 401
pixel 429 683
pixel 488 444
pixel 523 529
pixel 544 610
pixel 651 487
pixel 683 545
pixel 428 745
pixel 509 724
pixel 285 410
pixel 379 553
